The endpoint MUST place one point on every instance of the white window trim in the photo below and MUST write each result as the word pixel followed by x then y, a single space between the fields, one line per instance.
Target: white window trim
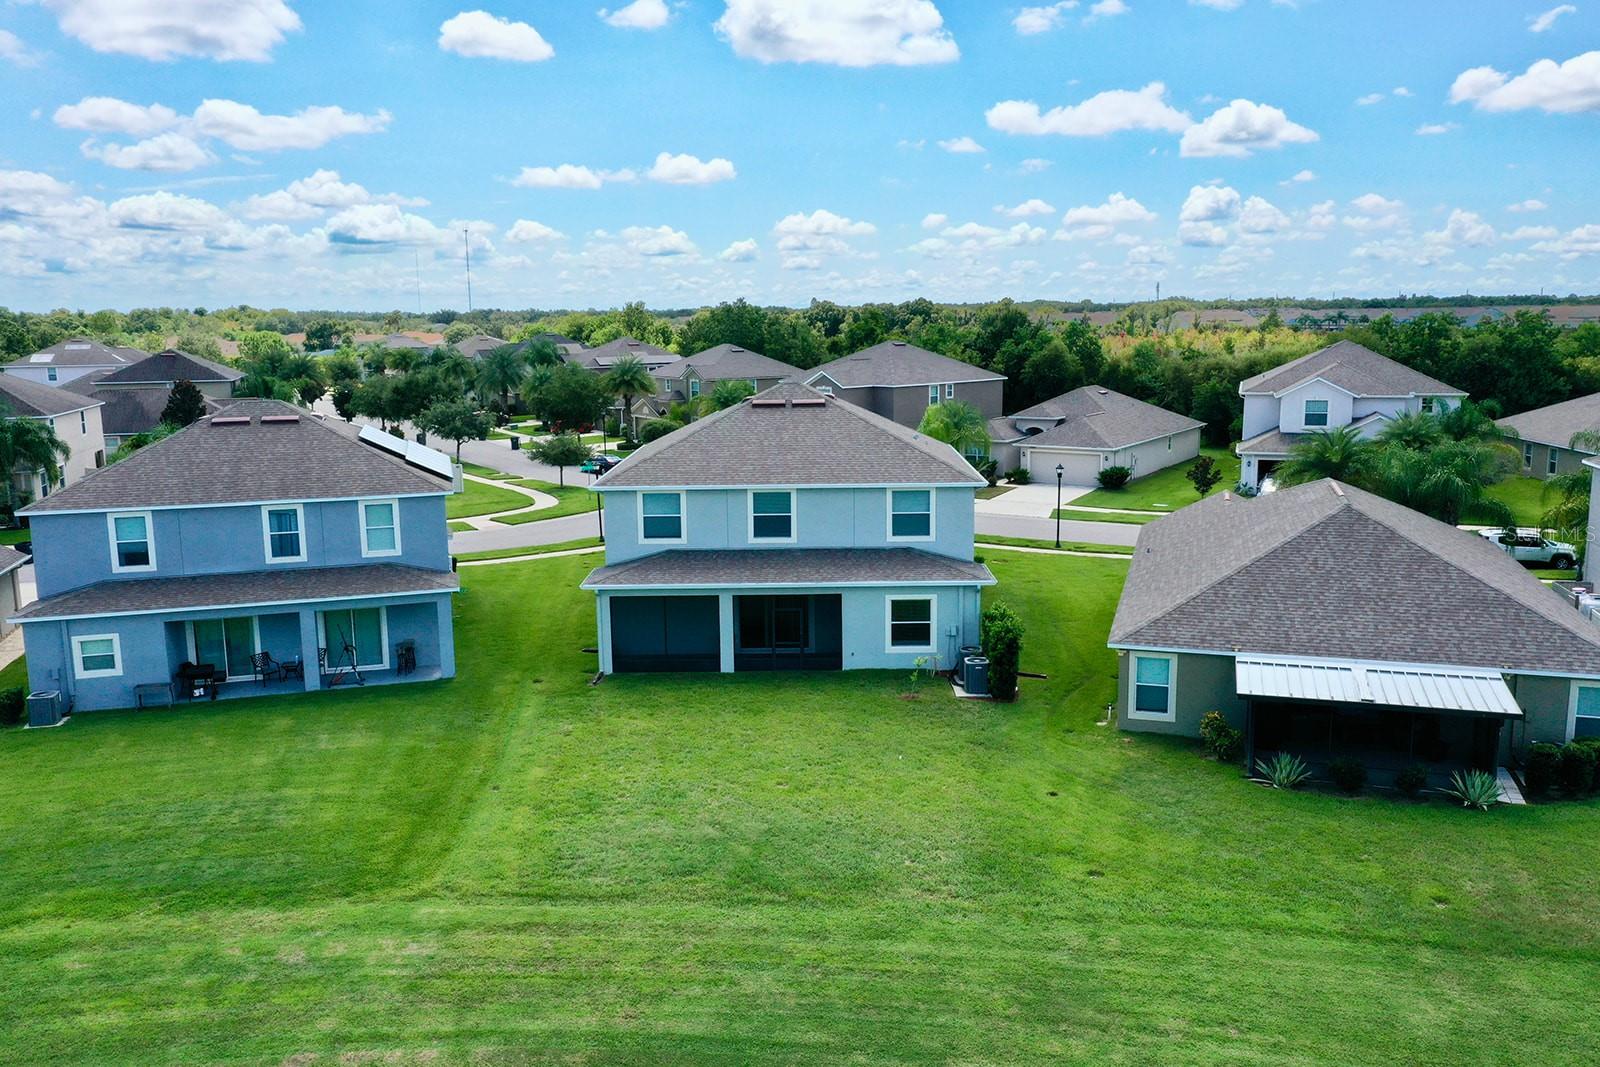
pixel 825 390
pixel 1553 461
pixel 933 514
pixel 266 532
pixel 1305 414
pixel 683 517
pixel 51 375
pixel 77 656
pixel 933 395
pixel 750 512
pixel 933 624
pixel 149 535
pixel 1572 705
pixel 1527 455
pixel 950 391
pixel 330 666
pixel 1171 714
pixel 255 642
pixel 361 516
pixel 694 388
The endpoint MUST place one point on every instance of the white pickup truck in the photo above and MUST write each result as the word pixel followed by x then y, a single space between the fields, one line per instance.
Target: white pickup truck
pixel 1531 546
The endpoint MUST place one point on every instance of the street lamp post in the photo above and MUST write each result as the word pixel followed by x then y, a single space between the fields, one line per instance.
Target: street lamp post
pixel 1060 471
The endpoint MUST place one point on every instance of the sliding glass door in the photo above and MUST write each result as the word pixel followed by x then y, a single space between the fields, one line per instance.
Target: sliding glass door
pixel 354 637
pixel 228 644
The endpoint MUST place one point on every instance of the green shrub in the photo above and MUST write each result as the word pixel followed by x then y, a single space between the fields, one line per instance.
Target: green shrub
pixel 1284 771
pixel 1475 789
pixel 1350 775
pixel 1019 476
pixel 1000 634
pixel 1577 769
pixel 657 428
pixel 13 706
pixel 1412 780
pixel 1221 740
pixel 1541 770
pixel 1114 477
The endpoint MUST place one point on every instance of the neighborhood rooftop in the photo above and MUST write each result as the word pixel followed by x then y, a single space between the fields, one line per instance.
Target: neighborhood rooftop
pixel 82 352
pixel 33 400
pixel 731 361
pixel 1353 368
pixel 604 357
pixel 899 363
pixel 1556 424
pixel 1328 570
pixel 165 368
pixel 1096 417
pixel 251 450
pixel 791 435
pixel 783 567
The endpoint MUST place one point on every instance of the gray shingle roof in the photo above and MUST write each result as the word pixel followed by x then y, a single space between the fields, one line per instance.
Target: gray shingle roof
pixel 33 400
pixel 131 411
pixel 82 352
pixel 1555 425
pixel 1275 442
pixel 476 345
pixel 1353 368
pixel 771 440
pixel 1327 570
pixel 1096 417
pixel 603 357
pixel 134 596
pixel 896 364
pixel 804 566
pixel 731 361
pixel 11 559
pixel 217 463
pixel 169 367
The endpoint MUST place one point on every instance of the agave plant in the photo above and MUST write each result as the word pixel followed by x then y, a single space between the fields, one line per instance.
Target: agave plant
pixel 1283 771
pixel 1475 789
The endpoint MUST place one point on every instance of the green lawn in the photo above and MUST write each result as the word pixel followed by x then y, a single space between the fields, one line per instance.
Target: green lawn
pixel 992 491
pixel 1525 498
pixel 12 536
pixel 461 527
pixel 535 550
pixel 486 472
pixel 14 675
pixel 1066 546
pixel 480 499
pixel 516 867
pixel 1165 490
pixel 570 500
pixel 1125 518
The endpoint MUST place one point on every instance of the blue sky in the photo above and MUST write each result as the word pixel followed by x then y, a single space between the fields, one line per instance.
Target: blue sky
pixel 283 153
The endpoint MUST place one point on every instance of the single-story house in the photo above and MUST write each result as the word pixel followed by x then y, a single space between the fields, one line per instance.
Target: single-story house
pixel 1546 435
pixel 1089 429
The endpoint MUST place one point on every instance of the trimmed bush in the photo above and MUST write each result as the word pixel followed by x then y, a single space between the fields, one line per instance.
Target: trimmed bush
pixel 1541 770
pixel 13 707
pixel 657 428
pixel 1577 769
pixel 1000 634
pixel 1221 740
pixel 1019 476
pixel 1114 477
pixel 1350 775
pixel 1411 781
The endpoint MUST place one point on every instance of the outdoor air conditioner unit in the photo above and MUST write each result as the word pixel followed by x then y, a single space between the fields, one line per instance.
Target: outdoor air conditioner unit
pixel 44 707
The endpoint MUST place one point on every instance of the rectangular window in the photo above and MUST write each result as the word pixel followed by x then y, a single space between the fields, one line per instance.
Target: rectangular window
pixel 1527 455
pixel 283 529
pixel 911 623
pixel 227 644
pixel 1316 413
pixel 1427 405
pixel 772 515
pixel 1550 464
pixel 1152 687
pixel 380 527
pixel 694 388
pixel 910 514
pixel 132 543
pixel 97 656
pixel 51 374
pixel 661 516
pixel 933 395
pixel 950 391
pixel 354 637
pixel 825 390
pixel 83 422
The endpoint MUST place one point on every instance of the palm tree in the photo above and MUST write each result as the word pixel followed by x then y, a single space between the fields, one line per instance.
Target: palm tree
pixel 1468 421
pixel 26 446
pixel 1568 516
pixel 1449 482
pixel 1340 453
pixel 1417 430
pixel 628 378
pixel 959 425
pixel 501 372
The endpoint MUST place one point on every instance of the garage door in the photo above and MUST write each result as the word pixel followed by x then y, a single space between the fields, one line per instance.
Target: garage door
pixel 1080 468
pixel 665 633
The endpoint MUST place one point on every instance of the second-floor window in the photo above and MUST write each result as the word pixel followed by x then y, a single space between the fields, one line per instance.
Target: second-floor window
pixel 661 517
pixel 694 388
pixel 51 374
pixel 83 422
pixel 911 515
pixel 1316 413
pixel 380 528
pixel 283 529
pixel 772 515
pixel 132 542
pixel 933 395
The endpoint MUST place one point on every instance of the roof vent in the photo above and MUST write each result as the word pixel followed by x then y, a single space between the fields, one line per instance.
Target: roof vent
pixel 810 401
pixel 768 402
pixel 78 346
pixel 1103 392
pixel 898 344
pixel 267 419
pixel 1338 490
pixel 230 420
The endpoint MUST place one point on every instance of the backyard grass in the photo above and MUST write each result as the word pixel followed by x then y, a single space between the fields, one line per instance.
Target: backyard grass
pixel 12 536
pixel 14 675
pixel 1131 518
pixel 516 867
pixel 1525 498
pixel 570 500
pixel 480 499
pixel 1165 490
pixel 532 550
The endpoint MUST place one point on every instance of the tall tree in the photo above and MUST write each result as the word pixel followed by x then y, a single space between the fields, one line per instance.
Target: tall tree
pixel 455 420
pixel 569 398
pixel 27 446
pixel 500 373
pixel 628 378
pixel 185 404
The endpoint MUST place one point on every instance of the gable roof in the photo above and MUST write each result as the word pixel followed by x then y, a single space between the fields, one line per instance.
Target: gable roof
pixel 170 367
pixel 34 400
pixel 1099 418
pixel 479 343
pixel 730 361
pixel 1329 571
pixel 82 352
pixel 219 461
pixel 130 411
pixel 1555 425
pixel 1355 369
pixel 791 435
pixel 603 357
pixel 898 364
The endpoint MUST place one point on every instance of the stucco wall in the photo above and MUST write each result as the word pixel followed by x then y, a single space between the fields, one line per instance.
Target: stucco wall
pixel 1203 683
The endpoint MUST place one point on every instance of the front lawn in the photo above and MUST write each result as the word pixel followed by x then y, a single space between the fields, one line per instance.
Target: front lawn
pixel 1127 518
pixel 480 499
pixel 516 867
pixel 1165 490
pixel 570 500
pixel 1525 498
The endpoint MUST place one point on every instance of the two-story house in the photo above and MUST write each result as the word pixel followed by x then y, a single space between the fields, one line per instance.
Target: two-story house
pixel 900 381
pixel 1344 384
pixel 76 421
pixel 136 396
pixel 69 360
pixel 259 546
pixel 793 531
pixel 688 379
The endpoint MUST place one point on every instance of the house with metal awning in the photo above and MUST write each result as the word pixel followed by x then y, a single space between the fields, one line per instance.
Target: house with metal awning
pixel 1326 621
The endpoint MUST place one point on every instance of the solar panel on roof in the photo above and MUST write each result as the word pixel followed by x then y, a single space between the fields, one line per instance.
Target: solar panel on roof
pixel 419 456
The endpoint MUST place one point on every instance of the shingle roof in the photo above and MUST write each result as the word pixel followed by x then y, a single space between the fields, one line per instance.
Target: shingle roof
pixel 731 361
pixel 11 559
pixel 169 367
pixel 602 357
pixel 805 566
pixel 791 435
pixel 131 411
pixel 1555 425
pixel 1095 417
pixel 242 588
pixel 1327 570
pixel 895 364
pixel 1275 442
pixel 218 462
pixel 36 401
pixel 82 352
pixel 1353 368
pixel 476 345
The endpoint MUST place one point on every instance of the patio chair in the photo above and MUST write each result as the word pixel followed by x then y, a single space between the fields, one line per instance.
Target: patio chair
pixel 265 668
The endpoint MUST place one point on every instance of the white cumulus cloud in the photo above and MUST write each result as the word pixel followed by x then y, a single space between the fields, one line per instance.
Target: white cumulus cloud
pixel 167 152
pixel 739 252
pixel 1092 222
pixel 321 192
pixel 656 241
pixel 1241 129
pixel 845 33
pixel 803 239
pixel 1559 88
pixel 1035 20
pixel 245 128
pixel 1583 241
pixel 569 176
pixel 1027 209
pixel 934 220
pixel 13 51
pixel 961 146
pixel 166 211
pixel 639 15
pixel 1436 129
pixel 107 114
pixel 167 29
pixel 480 35
pixel 527 231
pixel 690 170
pixel 1104 113
pixel 1527 205
pixel 1372 212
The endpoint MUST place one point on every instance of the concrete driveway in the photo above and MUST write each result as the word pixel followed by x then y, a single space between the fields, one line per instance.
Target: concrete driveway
pixel 1034 501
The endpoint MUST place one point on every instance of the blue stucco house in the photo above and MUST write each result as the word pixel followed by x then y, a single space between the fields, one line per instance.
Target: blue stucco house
pixel 261 529
pixel 793 531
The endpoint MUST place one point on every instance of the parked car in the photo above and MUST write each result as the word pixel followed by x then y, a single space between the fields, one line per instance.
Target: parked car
pixel 1531 546
pixel 599 464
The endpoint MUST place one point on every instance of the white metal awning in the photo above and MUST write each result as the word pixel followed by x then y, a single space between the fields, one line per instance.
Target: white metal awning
pixel 1380 684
